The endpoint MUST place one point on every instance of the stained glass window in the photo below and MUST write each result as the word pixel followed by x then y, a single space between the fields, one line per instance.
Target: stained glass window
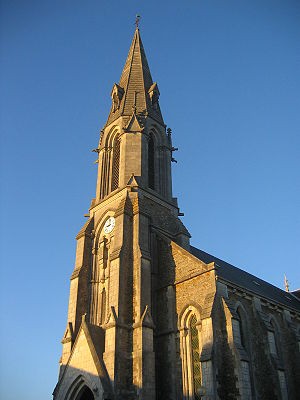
pixel 196 366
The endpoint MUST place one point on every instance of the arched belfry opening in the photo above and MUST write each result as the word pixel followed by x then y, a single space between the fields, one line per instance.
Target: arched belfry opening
pixel 85 394
pixel 109 164
pixel 115 164
pixel 151 168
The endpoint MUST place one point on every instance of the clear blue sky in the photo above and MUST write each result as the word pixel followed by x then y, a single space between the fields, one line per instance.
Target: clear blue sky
pixel 228 73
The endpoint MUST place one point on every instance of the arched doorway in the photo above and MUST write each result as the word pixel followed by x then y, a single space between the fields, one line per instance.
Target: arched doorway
pixel 85 394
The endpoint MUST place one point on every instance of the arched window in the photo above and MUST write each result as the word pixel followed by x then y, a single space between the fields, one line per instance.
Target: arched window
pixel 105 253
pixel 115 164
pixel 236 327
pixel 190 346
pixel 239 329
pixel 103 307
pixel 151 174
pixel 109 164
pixel 100 265
pixel 273 339
pixel 242 328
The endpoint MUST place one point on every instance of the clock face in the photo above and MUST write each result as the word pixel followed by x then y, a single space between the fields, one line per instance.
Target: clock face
pixel 109 225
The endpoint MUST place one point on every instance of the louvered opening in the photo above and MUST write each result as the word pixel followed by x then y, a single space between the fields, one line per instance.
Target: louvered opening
pixel 116 165
pixel 151 163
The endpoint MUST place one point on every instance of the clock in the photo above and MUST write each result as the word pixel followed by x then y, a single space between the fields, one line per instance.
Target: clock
pixel 109 225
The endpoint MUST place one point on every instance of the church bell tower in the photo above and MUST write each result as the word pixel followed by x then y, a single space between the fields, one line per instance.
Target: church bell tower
pixel 109 349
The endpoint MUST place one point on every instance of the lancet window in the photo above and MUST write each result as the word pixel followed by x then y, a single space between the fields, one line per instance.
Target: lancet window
pixel 195 357
pixel 273 339
pixel 103 264
pixel 103 307
pixel 99 283
pixel 190 354
pixel 110 164
pixel 272 343
pixel 238 327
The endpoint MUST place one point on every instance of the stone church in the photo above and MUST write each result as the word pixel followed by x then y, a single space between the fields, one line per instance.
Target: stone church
pixel 150 316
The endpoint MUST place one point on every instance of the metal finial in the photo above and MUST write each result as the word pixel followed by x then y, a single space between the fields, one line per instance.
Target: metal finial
pixel 286 284
pixel 137 20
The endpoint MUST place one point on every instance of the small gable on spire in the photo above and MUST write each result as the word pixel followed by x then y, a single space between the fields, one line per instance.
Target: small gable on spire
pixel 133 124
pixel 132 181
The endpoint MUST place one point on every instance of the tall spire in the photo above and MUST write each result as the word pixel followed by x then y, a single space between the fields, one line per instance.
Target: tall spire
pixel 136 91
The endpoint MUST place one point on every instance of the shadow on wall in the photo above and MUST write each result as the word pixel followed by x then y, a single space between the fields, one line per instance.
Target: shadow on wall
pixel 183 335
pixel 166 338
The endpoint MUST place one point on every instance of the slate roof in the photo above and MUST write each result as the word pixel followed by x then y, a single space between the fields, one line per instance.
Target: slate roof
pixel 247 281
pixel 136 81
pixel 296 293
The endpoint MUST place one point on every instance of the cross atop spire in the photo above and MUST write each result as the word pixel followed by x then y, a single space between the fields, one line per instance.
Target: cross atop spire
pixel 286 284
pixel 137 20
pixel 136 89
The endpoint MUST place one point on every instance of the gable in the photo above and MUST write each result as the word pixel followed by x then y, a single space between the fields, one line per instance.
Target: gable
pixel 81 357
pixel 187 265
pixel 133 125
pixel 84 365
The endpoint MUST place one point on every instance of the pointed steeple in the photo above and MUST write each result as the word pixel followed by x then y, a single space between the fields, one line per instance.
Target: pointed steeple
pixel 136 92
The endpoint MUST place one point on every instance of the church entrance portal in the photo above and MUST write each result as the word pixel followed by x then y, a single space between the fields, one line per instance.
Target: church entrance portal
pixel 85 394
